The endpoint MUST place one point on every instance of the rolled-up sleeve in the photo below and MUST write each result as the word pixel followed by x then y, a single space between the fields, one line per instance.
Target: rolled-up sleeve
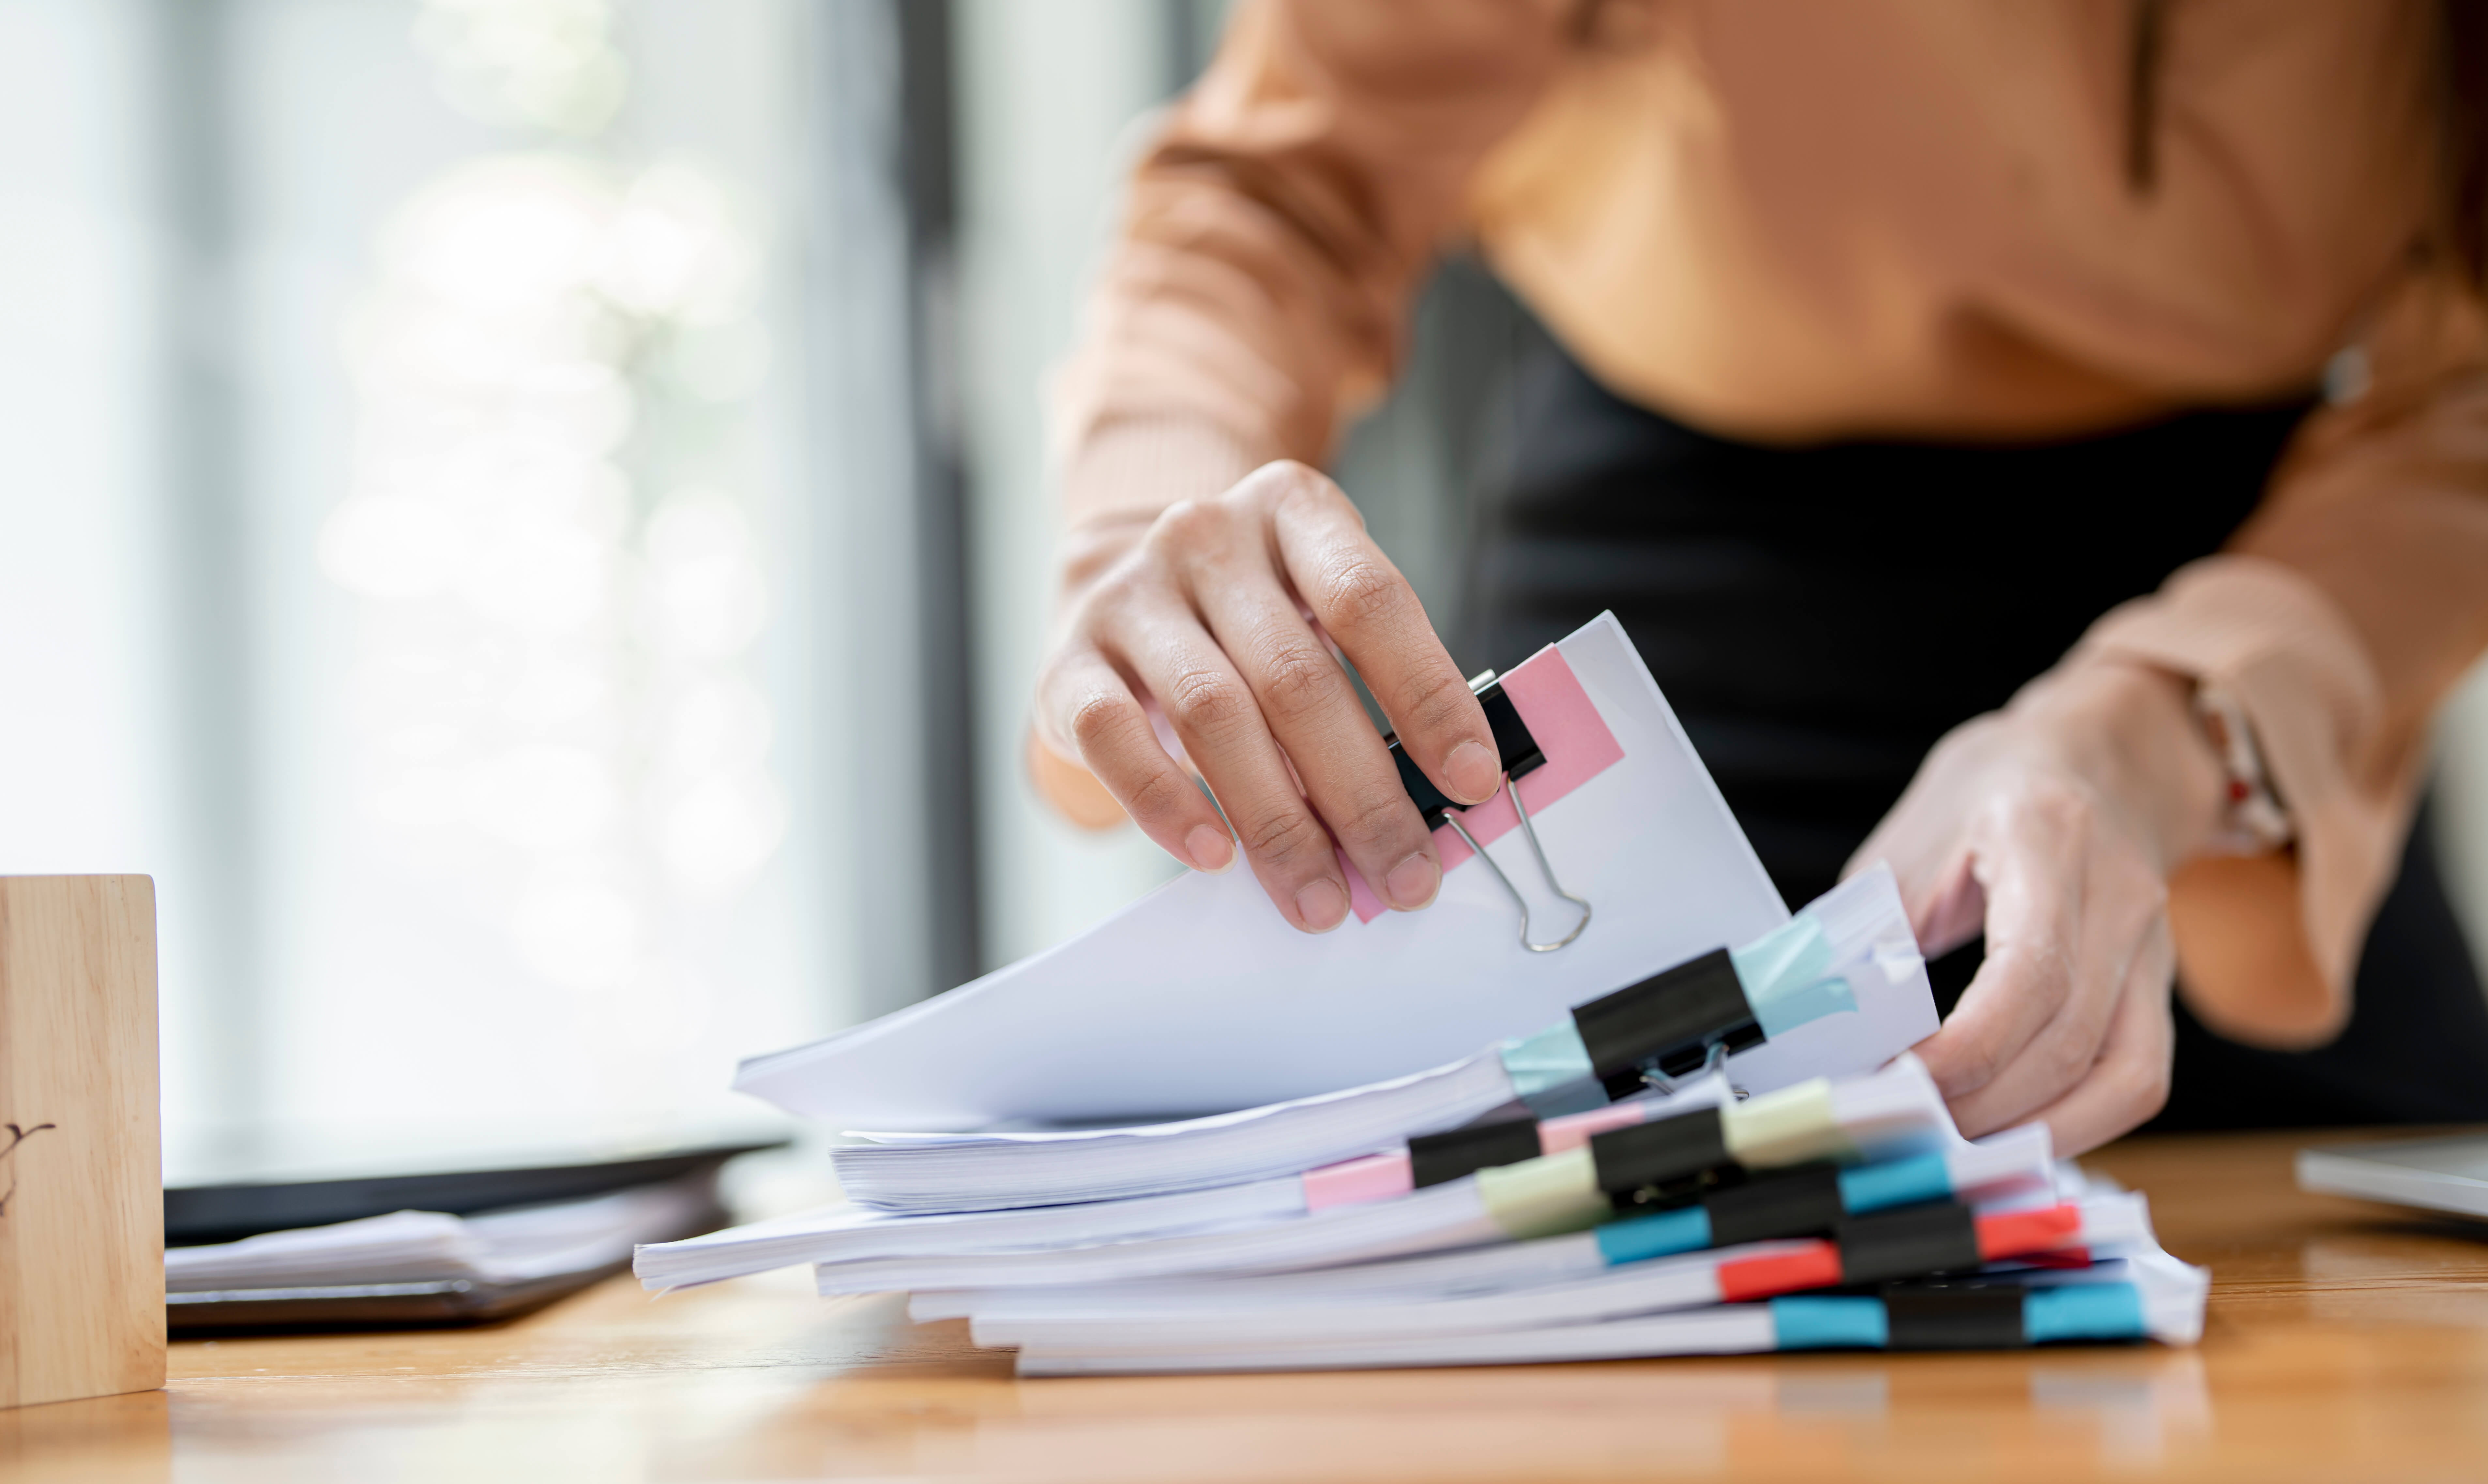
pixel 1273 234
pixel 2339 618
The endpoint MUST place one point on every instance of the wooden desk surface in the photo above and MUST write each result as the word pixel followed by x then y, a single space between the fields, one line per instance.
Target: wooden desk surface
pixel 2345 1342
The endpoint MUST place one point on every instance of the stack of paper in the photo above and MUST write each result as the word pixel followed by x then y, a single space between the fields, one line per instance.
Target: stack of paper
pixel 1241 1181
pixel 1877 1206
pixel 1849 950
pixel 1697 1128
pixel 1200 998
pixel 2147 1295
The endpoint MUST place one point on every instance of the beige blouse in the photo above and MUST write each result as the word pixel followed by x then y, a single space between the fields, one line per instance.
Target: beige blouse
pixel 1790 220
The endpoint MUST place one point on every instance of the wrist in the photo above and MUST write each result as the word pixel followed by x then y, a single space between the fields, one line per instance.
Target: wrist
pixel 1091 549
pixel 1123 474
pixel 2131 728
pixel 1132 469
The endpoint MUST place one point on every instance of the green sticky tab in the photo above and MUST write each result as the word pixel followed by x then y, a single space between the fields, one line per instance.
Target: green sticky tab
pixel 1546 1196
pixel 1788 1127
pixel 1787 978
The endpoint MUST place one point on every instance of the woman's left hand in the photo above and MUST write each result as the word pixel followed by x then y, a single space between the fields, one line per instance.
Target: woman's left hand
pixel 2053 826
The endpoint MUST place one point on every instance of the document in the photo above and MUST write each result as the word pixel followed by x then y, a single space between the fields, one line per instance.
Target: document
pixel 1200 998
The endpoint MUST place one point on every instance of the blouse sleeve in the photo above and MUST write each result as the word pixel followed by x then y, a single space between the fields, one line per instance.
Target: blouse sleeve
pixel 1274 232
pixel 2339 618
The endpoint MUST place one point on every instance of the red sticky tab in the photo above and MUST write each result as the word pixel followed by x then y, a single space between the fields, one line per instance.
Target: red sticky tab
pixel 1816 1265
pixel 2058 1257
pixel 2019 1232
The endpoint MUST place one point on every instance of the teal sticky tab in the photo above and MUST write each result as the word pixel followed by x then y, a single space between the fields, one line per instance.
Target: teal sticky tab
pixel 2083 1311
pixel 1568 1097
pixel 1790 1009
pixel 1795 953
pixel 1661 1234
pixel 1895 1183
pixel 1817 1323
pixel 1787 978
pixel 1540 1064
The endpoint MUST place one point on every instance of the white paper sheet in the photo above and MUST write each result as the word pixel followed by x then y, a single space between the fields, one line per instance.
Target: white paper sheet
pixel 1200 998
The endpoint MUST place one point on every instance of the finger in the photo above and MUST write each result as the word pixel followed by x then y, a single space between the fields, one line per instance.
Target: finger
pixel 2118 911
pixel 2129 1081
pixel 2029 870
pixel 1071 789
pixel 1922 839
pixel 1364 603
pixel 1220 724
pixel 1313 710
pixel 1094 712
pixel 1952 912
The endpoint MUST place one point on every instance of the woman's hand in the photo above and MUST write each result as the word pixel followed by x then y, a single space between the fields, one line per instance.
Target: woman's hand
pixel 2053 825
pixel 1201 616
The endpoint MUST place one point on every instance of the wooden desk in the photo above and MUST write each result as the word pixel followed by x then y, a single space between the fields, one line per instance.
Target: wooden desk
pixel 2345 1342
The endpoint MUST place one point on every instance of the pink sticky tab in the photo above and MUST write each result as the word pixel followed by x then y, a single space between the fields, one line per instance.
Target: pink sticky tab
pixel 1355 1182
pixel 1361 898
pixel 1569 730
pixel 1571 1132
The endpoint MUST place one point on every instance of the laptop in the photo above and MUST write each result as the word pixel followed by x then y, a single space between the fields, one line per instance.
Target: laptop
pixel 2437 1174
pixel 362 1216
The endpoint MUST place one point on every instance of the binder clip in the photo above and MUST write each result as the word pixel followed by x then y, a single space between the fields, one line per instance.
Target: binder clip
pixel 1519 754
pixel 1675 1025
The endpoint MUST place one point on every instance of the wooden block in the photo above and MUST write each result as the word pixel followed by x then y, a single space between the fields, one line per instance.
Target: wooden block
pixel 81 1172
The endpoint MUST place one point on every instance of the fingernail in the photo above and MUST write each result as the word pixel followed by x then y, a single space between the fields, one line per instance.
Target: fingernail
pixel 1413 882
pixel 1211 849
pixel 1472 773
pixel 1320 906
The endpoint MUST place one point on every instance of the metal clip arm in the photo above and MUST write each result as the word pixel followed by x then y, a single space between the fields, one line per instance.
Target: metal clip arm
pixel 1453 817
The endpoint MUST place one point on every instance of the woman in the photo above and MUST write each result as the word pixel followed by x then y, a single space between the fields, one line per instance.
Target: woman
pixel 1942 376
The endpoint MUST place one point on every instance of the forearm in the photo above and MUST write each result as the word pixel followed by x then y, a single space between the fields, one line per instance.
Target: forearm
pixel 1258 286
pixel 2407 567
pixel 2337 620
pixel 2381 507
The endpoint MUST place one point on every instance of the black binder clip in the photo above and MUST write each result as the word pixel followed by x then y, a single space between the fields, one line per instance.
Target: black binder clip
pixel 1519 753
pixel 1678 1023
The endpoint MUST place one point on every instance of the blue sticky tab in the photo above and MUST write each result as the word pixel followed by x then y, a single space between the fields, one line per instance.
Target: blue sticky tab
pixel 1661 1234
pixel 1821 1324
pixel 1895 1183
pixel 1787 978
pixel 2083 1311
pixel 1550 1062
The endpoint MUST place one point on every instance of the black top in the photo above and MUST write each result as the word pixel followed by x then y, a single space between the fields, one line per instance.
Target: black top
pixel 1820 616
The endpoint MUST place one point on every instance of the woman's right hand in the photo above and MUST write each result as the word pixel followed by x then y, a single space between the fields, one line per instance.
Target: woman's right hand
pixel 1203 614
